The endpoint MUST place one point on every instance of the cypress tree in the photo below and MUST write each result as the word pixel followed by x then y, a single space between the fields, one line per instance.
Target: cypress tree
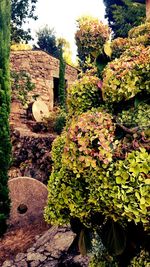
pixel 123 15
pixel 61 87
pixel 5 145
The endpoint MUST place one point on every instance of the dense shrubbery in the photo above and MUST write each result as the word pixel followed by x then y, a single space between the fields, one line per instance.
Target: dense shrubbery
pixel 141 260
pixel 83 95
pixel 128 75
pixel 90 37
pixel 101 163
pixel 120 45
pixel 137 35
pixel 141 30
pixel 56 120
pixel 135 116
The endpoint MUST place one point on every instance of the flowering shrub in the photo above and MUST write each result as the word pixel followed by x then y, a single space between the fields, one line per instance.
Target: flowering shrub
pixel 119 45
pixel 135 116
pixel 90 37
pixel 86 146
pixel 101 165
pixel 83 95
pixel 116 189
pixel 128 75
pixel 143 29
pixel 20 47
pixel 137 35
pixel 88 141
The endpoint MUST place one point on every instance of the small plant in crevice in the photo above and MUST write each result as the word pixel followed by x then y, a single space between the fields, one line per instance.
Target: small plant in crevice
pixel 56 120
pixel 21 85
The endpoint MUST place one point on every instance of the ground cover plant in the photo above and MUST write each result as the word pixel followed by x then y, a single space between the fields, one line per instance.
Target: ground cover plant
pixel 100 182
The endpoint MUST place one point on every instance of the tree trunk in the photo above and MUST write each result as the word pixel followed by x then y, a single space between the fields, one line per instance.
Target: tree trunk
pixel 148 10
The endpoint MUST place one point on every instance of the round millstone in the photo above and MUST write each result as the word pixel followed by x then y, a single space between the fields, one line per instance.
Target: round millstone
pixel 40 110
pixel 28 199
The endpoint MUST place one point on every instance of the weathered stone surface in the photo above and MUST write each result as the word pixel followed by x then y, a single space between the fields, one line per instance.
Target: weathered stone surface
pixel 50 250
pixel 31 154
pixel 53 263
pixel 46 237
pixel 7 263
pixel 36 256
pixel 42 68
pixel 30 193
pixel 81 260
pixel 32 249
pixel 61 242
pixel 40 250
pixel 20 257
pixel 40 110
pixel 22 263
pixel 35 263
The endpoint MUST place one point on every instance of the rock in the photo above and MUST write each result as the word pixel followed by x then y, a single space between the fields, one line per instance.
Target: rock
pixel 31 154
pixel 53 263
pixel 7 263
pixel 22 264
pixel 34 263
pixel 20 257
pixel 60 243
pixel 46 237
pixel 83 261
pixel 40 250
pixel 36 256
pixel 31 249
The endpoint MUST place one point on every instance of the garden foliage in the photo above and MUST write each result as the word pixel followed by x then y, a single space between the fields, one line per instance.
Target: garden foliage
pixel 21 84
pixel 21 12
pixel 61 85
pixel 83 95
pixel 90 37
pixel 101 167
pixel 5 146
pixel 123 15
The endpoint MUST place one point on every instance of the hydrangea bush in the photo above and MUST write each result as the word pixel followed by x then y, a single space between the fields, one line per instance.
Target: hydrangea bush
pixel 101 164
pixel 125 77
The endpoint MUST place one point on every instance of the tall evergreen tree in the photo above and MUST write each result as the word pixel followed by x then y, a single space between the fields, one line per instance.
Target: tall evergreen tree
pixel 47 41
pixel 122 15
pixel 61 86
pixel 5 146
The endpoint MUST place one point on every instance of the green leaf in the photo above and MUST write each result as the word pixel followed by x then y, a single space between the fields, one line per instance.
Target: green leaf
pixel 147 181
pixel 84 242
pixel 107 48
pixel 113 237
pixel 118 180
pixel 142 200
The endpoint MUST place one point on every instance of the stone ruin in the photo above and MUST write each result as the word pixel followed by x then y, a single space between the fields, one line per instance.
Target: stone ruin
pixel 31 150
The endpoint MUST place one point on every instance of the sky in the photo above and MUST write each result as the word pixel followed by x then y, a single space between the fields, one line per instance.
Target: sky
pixel 62 15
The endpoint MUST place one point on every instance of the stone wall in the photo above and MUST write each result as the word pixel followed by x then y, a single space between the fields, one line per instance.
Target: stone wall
pixel 43 68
